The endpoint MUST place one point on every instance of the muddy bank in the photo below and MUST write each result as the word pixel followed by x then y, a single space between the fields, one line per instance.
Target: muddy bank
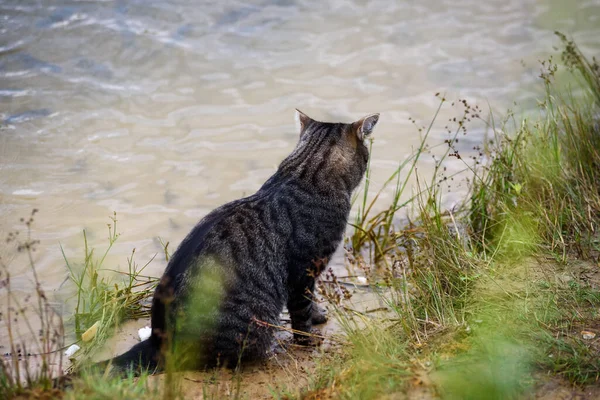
pixel 287 370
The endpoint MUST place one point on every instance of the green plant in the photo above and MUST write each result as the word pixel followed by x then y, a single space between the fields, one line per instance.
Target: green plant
pixel 102 301
pixel 468 274
pixel 32 326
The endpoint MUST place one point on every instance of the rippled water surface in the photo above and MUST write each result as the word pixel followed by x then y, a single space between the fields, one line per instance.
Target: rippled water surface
pixel 163 110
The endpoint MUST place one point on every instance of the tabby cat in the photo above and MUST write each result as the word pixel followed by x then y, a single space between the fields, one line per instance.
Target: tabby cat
pixel 224 288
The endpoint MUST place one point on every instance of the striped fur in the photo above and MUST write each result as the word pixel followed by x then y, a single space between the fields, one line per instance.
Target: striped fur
pixel 226 285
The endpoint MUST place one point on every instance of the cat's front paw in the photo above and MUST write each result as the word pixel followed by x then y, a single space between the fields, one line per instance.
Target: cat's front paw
pixel 318 315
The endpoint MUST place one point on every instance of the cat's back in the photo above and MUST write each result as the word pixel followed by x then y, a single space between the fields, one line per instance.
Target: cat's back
pixel 239 231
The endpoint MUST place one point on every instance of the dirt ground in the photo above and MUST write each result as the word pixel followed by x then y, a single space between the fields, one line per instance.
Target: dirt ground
pixel 286 371
pixel 552 388
pixel 289 369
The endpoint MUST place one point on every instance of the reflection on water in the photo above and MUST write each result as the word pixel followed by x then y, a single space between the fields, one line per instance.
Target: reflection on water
pixel 163 110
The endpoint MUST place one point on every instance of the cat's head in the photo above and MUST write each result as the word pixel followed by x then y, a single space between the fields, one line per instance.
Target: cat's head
pixel 331 153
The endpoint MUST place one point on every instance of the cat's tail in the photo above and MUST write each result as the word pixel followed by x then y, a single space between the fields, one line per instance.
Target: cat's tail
pixel 144 356
pixel 141 357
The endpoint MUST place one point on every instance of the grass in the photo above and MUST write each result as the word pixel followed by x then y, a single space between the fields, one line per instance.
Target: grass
pixel 94 386
pixel 102 302
pixel 563 350
pixel 475 291
pixel 38 338
pixel 32 362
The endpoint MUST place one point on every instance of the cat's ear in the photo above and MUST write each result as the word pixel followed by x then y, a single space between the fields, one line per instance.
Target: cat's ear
pixel 302 120
pixel 364 126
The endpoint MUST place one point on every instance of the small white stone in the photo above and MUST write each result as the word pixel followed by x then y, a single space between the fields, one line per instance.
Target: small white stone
pixel 587 335
pixel 144 333
pixel 362 280
pixel 72 350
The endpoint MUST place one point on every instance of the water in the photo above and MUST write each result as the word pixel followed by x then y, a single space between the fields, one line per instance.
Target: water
pixel 162 111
